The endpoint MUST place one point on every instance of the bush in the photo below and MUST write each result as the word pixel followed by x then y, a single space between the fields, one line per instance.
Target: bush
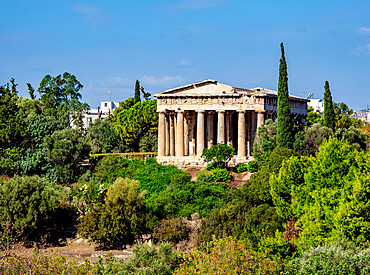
pixel 116 222
pixel 241 167
pixel 337 258
pixel 172 231
pixel 219 175
pixel 220 154
pixel 146 260
pixel 227 256
pixel 27 203
pixel 252 166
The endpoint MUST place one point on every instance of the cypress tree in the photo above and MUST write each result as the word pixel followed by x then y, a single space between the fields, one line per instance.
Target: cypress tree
pixel 329 113
pixel 137 91
pixel 284 137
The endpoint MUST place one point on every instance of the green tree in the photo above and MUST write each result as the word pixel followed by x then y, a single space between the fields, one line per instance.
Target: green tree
pixel 137 91
pixel 313 117
pixel 132 124
pixel 329 112
pixel 101 136
pixel 284 137
pixel 218 155
pixel 62 98
pixel 31 91
pixel 265 141
pixel 115 223
pixel 65 148
pixel 27 203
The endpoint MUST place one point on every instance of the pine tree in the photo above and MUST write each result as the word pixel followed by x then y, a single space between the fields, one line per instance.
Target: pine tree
pixel 137 91
pixel 329 113
pixel 284 137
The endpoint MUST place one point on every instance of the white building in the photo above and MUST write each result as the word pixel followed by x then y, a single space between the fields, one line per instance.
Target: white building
pixel 105 110
pixel 317 105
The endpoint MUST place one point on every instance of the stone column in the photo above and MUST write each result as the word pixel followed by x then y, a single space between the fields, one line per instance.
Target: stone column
pixel 180 134
pixel 260 118
pixel 186 135
pixel 210 138
pixel 167 152
pixel 241 134
pixel 161 134
pixel 200 132
pixel 221 127
pixel 229 128
pixel 172 135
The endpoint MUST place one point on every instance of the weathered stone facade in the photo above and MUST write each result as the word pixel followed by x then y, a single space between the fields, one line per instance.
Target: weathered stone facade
pixel 201 114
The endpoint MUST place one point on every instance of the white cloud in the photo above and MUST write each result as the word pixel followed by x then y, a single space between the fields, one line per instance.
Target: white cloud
pixel 362 50
pixel 161 81
pixel 364 30
pixel 93 15
pixel 184 62
pixel 195 4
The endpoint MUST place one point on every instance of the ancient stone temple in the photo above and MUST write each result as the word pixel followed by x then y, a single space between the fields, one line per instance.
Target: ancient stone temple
pixel 198 115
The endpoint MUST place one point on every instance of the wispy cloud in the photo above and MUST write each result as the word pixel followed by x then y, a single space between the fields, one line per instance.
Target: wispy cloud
pixel 195 4
pixel 184 62
pixel 93 15
pixel 364 30
pixel 362 50
pixel 164 81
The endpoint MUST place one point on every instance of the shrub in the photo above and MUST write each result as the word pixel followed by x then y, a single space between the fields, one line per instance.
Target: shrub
pixel 227 256
pixel 146 260
pixel 220 154
pixel 172 231
pixel 219 175
pixel 116 222
pixel 336 258
pixel 241 167
pixel 252 166
pixel 27 202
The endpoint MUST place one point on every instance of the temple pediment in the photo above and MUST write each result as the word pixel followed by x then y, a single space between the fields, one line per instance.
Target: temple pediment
pixel 204 88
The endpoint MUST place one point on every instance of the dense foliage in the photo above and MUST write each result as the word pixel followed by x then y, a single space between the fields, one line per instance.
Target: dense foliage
pixel 329 114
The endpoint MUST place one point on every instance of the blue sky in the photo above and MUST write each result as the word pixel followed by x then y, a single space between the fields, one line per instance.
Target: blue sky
pixel 107 45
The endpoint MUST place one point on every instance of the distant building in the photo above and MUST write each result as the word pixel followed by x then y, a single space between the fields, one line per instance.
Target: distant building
pixel 363 115
pixel 106 108
pixel 317 105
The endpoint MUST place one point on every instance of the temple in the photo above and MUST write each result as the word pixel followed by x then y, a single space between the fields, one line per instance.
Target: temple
pixel 199 115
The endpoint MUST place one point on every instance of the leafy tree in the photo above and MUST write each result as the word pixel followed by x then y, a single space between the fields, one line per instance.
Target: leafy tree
pixel 65 148
pixel 101 136
pixel 137 91
pixel 12 125
pixel 145 94
pixel 284 137
pixel 31 91
pixel 343 119
pixel 328 194
pixel 265 141
pixel 62 98
pixel 228 256
pixel 28 107
pixel 313 117
pixel 27 203
pixel 355 137
pixel 115 223
pixel 149 143
pixel 132 124
pixel 218 155
pixel 329 113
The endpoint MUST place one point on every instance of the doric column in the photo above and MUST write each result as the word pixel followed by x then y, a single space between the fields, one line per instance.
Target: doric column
pixel 161 134
pixel 210 138
pixel 241 134
pixel 260 118
pixel 180 134
pixel 200 132
pixel 172 135
pixel 167 151
pixel 186 135
pixel 221 127
pixel 229 128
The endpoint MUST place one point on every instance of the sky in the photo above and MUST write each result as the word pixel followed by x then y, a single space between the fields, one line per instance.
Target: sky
pixel 107 45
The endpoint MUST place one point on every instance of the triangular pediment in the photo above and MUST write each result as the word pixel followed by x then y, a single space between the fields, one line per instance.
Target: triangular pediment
pixel 203 88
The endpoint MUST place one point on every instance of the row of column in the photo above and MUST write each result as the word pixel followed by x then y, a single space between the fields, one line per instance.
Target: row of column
pixel 177 143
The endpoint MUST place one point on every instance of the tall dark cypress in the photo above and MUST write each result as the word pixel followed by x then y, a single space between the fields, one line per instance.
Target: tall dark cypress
pixel 137 91
pixel 284 137
pixel 329 113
